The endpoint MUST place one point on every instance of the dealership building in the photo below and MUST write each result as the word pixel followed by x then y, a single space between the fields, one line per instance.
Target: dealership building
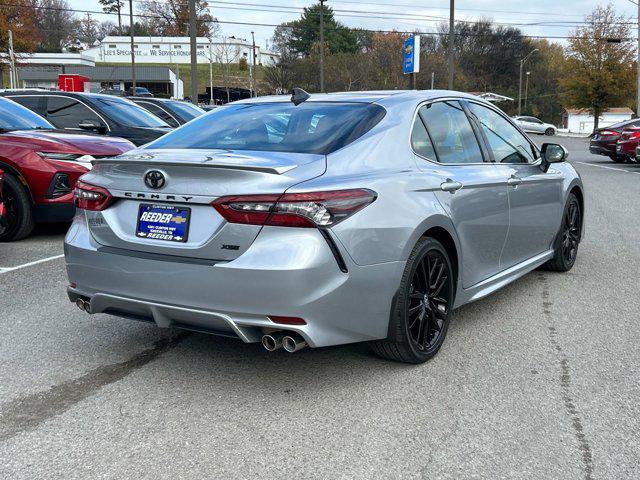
pixel 159 80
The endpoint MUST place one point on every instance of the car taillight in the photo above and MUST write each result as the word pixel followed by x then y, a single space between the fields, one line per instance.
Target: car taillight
pixel 90 197
pixel 314 209
pixel 607 133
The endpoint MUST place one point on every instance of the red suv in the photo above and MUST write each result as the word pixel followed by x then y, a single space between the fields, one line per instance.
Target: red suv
pixel 627 143
pixel 41 166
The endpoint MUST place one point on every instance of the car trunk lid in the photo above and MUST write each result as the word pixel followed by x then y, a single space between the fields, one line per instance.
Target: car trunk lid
pixel 192 180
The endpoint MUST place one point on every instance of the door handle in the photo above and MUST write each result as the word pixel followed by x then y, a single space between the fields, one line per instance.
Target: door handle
pixel 514 181
pixel 450 186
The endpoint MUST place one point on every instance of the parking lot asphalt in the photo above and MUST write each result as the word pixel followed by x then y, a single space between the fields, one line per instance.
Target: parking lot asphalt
pixel 540 380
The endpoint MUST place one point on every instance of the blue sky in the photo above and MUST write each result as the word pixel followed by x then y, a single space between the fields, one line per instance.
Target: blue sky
pixel 504 11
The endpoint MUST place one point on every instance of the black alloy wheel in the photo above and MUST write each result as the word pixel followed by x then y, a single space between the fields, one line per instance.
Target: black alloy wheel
pixel 568 238
pixel 429 300
pixel 549 132
pixel 421 310
pixel 18 221
pixel 571 232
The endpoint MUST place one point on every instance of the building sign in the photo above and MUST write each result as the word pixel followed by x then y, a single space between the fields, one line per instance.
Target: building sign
pixel 116 52
pixel 412 54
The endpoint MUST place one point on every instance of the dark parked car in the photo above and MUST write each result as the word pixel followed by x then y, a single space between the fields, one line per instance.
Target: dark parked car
pixel 604 140
pixel 93 112
pixel 41 166
pixel 174 112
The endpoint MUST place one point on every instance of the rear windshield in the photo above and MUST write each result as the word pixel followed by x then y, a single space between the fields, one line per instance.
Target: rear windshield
pixel 187 110
pixel 311 127
pixel 128 113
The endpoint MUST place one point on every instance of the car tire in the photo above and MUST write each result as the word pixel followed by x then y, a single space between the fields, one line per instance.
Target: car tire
pixel 421 310
pixel 549 132
pixel 568 238
pixel 619 158
pixel 19 212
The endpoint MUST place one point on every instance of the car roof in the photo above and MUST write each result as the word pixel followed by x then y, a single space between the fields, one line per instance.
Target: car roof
pixel 60 93
pixel 377 96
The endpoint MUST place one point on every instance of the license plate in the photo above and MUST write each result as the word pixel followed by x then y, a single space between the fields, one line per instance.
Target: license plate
pixel 163 222
pixel 619 148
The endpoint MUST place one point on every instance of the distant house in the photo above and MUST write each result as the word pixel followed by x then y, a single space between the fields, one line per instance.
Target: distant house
pixel 579 120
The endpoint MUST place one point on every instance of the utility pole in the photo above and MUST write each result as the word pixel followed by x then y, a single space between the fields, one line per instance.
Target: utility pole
pixel 322 46
pixel 638 69
pixel 194 53
pixel 433 77
pixel 253 61
pixel 119 7
pixel 13 75
pixel 520 85
pixel 452 39
pixel 133 55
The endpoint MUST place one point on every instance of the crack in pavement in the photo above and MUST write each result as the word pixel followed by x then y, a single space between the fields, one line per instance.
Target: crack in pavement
pixel 565 385
pixel 27 413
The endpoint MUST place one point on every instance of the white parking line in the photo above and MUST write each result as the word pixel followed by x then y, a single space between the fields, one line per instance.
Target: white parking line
pixel 608 168
pixel 24 265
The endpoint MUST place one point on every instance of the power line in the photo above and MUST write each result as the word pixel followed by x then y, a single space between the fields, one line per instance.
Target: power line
pixel 262 24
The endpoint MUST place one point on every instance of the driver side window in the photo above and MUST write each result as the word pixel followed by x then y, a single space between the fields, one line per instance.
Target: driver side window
pixel 507 144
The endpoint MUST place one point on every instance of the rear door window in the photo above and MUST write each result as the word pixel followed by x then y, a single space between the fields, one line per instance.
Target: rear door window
pixel 451 131
pixel 66 112
pixel 420 140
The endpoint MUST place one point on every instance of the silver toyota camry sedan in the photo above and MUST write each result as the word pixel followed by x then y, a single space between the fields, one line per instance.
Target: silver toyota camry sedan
pixel 323 219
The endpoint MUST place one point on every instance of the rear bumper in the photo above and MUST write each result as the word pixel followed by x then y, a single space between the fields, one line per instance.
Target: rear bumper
pixel 603 149
pixel 285 272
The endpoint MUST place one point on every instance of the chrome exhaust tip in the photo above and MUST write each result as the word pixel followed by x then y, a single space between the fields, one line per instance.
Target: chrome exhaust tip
pixel 83 305
pixel 293 343
pixel 272 341
pixel 80 304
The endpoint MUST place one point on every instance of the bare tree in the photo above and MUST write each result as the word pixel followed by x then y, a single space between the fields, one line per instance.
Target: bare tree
pixel 225 54
pixel 54 22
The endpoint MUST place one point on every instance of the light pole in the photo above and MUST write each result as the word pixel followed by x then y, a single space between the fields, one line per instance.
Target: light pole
pixel 193 19
pixel 253 62
pixel 133 55
pixel 210 72
pixel 526 90
pixel 520 87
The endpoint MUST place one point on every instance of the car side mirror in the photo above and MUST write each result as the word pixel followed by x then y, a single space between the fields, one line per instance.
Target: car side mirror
pixel 552 153
pixel 92 125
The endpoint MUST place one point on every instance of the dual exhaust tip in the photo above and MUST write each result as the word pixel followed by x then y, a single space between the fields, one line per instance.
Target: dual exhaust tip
pixel 84 305
pixel 291 342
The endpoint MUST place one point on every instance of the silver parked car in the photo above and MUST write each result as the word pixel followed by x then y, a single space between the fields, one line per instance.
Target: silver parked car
pixel 323 220
pixel 535 125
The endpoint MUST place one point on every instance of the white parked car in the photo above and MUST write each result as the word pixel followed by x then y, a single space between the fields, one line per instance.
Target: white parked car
pixel 534 125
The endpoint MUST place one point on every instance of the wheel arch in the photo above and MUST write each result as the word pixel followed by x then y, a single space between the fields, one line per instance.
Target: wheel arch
pixel 8 168
pixel 446 239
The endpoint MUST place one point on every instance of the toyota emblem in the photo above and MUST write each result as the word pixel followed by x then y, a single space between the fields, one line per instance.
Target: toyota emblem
pixel 154 179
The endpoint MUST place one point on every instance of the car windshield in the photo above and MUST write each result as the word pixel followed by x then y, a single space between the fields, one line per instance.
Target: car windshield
pixel 17 117
pixel 128 113
pixel 186 110
pixel 311 127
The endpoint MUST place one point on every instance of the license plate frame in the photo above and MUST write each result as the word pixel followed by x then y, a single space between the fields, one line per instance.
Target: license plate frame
pixel 169 232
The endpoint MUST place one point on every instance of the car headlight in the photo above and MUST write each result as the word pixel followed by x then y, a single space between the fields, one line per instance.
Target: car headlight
pixel 69 157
